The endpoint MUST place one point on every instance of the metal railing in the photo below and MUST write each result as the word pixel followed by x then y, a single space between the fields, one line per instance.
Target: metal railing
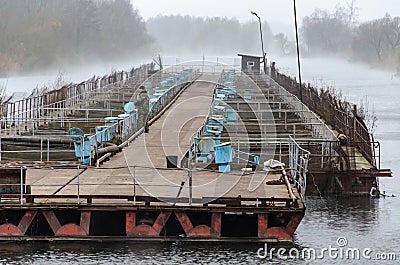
pixel 44 151
pixel 321 130
pixel 56 102
pixel 125 128
pixel 298 164
pixel 339 114
pixel 206 68
pixel 56 113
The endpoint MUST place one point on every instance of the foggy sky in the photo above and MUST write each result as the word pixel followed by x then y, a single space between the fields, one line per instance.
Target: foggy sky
pixel 279 13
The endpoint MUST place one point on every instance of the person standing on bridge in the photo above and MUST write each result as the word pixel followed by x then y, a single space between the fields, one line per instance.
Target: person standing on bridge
pixel 142 104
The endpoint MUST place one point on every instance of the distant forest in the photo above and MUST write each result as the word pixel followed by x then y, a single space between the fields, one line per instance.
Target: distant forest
pixel 40 34
pixel 213 36
pixel 376 42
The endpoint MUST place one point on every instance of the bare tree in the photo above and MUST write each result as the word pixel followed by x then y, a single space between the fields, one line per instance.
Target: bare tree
pixel 352 10
pixel 370 39
pixel 327 32
pixel 208 35
pixel 281 43
pixel 380 36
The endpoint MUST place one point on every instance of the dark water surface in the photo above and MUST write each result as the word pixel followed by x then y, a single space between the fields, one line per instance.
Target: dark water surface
pixel 363 222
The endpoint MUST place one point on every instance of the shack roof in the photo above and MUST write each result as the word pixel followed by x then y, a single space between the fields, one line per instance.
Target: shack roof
pixel 247 55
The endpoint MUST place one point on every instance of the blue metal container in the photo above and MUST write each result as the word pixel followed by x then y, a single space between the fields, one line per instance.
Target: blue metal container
pixel 102 134
pixel 230 115
pixel 84 150
pixel 223 153
pixel 224 168
pixel 110 121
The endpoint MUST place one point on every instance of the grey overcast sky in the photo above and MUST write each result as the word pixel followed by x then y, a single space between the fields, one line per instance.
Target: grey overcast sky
pixel 278 12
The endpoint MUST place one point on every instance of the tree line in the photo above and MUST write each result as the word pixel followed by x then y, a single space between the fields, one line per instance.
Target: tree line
pixel 213 35
pixel 375 42
pixel 37 34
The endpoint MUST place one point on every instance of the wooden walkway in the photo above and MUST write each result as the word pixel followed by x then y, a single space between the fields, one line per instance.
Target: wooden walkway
pixel 144 162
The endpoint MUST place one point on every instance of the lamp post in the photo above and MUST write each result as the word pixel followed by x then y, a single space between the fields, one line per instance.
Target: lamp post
pixel 298 50
pixel 262 42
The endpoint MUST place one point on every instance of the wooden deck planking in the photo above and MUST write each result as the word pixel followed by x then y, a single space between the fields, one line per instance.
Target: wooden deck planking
pixel 48 181
pixel 146 156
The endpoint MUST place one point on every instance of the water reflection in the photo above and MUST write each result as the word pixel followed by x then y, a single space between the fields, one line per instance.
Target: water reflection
pixel 325 220
pixel 124 253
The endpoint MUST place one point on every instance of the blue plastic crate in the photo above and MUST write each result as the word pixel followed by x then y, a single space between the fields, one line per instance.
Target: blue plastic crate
pixel 230 115
pixel 82 150
pixel 224 168
pixel 102 134
pixel 223 153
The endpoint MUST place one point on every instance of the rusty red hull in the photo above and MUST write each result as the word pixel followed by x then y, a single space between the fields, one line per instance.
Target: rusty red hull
pixel 231 224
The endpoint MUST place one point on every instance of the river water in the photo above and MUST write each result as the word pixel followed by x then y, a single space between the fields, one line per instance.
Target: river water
pixel 369 225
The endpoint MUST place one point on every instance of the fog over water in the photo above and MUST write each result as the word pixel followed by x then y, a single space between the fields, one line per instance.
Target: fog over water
pixel 26 83
pixel 372 223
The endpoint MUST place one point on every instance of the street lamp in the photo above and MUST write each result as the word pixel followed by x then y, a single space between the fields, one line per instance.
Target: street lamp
pixel 298 50
pixel 262 42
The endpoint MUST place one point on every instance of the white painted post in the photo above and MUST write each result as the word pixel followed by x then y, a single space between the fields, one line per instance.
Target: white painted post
pixel 78 184
pixel 22 186
pixel 322 155
pixel 41 149
pixel 48 149
pixel 190 187
pixel 134 185
pixel 1 123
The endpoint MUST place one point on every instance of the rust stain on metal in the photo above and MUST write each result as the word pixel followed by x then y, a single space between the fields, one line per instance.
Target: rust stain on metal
pixel 262 225
pixel 71 230
pixel 184 221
